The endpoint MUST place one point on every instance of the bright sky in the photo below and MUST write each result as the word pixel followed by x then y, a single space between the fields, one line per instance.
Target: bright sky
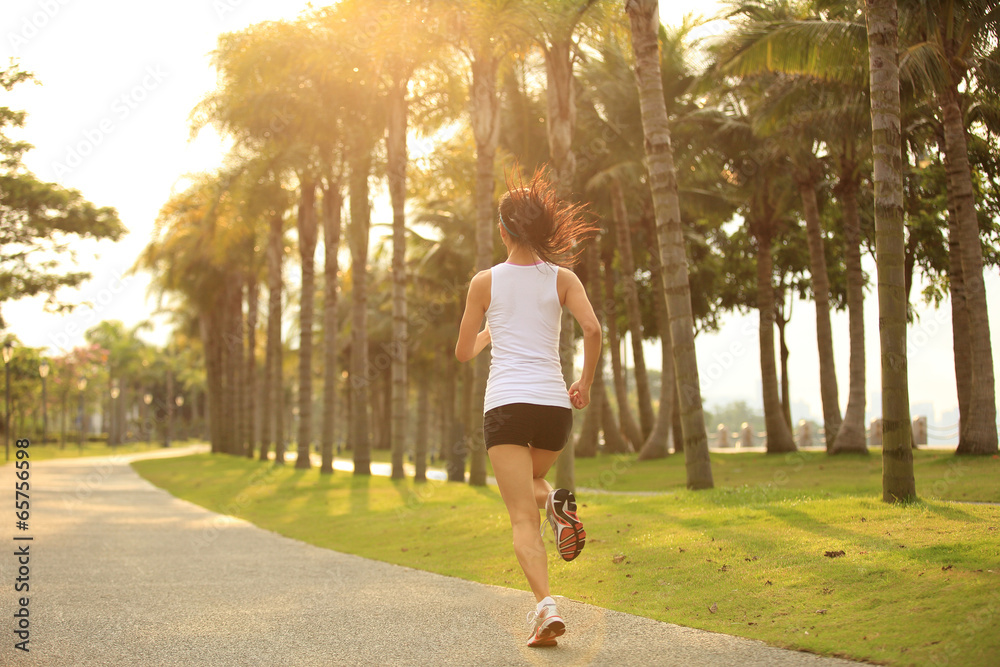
pixel 111 119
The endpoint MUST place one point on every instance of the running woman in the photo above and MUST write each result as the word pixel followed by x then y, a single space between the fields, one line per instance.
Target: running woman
pixel 527 410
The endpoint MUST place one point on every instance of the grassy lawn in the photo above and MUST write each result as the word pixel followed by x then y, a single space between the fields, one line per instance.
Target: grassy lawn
pixel 940 475
pixel 916 584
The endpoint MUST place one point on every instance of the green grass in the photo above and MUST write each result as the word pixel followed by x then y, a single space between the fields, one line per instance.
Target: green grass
pixel 917 584
pixel 940 474
pixel 52 450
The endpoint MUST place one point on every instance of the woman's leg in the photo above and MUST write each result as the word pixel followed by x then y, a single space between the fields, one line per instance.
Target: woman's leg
pixel 541 461
pixel 514 468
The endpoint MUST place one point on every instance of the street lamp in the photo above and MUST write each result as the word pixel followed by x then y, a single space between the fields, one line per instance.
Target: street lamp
pixel 179 402
pixel 82 386
pixel 8 354
pixel 43 370
pixel 147 399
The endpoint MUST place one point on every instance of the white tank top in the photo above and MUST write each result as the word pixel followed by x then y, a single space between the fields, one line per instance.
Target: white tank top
pixel 525 319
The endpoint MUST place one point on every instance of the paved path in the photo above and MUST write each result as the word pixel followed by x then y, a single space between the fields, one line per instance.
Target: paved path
pixel 122 573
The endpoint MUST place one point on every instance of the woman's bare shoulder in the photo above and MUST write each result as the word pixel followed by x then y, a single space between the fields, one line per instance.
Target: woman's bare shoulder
pixel 565 280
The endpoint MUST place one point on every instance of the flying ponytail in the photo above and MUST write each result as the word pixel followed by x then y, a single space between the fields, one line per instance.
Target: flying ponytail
pixel 534 217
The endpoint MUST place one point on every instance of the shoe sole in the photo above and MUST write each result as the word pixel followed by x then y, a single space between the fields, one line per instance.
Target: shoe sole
pixel 572 544
pixel 548 634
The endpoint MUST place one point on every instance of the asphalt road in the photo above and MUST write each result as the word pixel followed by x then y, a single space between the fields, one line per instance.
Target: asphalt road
pixel 122 573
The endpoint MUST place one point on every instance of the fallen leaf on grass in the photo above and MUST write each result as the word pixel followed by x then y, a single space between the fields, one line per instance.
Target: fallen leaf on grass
pixel 749 560
pixel 768 583
pixel 834 554
pixel 681 549
pixel 946 568
pixel 821 611
pixel 403 549
pixel 617 558
pixel 724 568
pixel 714 608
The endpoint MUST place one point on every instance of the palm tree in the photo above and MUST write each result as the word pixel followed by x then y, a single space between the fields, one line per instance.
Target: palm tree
pixel 557 22
pixel 275 105
pixel 485 36
pixel 409 43
pixel 196 247
pixel 333 202
pixel 272 417
pixel 952 41
pixel 897 455
pixel 644 20
pixel 946 49
pixel 623 237
pixel 308 233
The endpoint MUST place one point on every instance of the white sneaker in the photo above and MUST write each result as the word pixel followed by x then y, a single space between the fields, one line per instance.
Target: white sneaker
pixel 546 624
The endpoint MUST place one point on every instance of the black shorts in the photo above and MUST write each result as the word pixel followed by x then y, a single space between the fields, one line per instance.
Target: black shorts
pixel 542 426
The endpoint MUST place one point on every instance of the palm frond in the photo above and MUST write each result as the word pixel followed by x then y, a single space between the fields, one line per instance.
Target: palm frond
pixel 832 50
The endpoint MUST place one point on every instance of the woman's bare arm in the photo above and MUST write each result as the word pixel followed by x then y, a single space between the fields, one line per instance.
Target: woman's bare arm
pixel 579 306
pixel 471 341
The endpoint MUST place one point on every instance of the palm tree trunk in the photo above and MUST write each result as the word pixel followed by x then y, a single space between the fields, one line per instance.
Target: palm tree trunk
pixel 645 22
pixel 628 423
pixel 657 445
pixel 779 435
pixel 486 128
pixel 821 295
pixel 360 219
pixel 561 120
pixel 271 426
pixel 308 233
pixel 209 326
pixel 250 393
pixel 332 204
pixel 232 362
pixel 587 440
pixel 851 437
pixel 396 154
pixel 897 454
pixel 781 320
pixel 623 237
pixel 614 442
pixel 565 464
pixel 453 436
pixel 979 429
pixel 239 342
pixel 959 317
pixel 420 437
pixel 676 430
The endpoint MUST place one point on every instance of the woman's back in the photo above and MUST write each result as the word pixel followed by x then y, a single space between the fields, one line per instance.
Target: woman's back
pixel 524 317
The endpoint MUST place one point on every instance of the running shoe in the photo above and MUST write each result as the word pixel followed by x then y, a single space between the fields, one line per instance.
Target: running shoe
pixel 560 511
pixel 546 624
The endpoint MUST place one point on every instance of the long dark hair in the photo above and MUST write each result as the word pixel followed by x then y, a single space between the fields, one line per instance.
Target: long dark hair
pixel 535 217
